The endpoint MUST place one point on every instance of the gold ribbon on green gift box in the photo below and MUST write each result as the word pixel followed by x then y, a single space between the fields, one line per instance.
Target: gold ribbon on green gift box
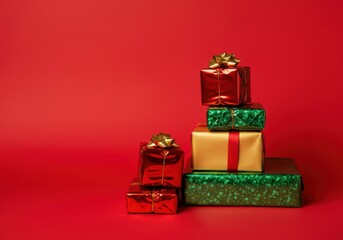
pixel 223 60
pixel 163 141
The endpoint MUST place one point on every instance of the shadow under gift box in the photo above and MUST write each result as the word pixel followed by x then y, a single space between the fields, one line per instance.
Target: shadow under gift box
pixel 212 150
pixel 250 116
pixel 160 166
pixel 225 86
pixel 140 199
pixel 280 185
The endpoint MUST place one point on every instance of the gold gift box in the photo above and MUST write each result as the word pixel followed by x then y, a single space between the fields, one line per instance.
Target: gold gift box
pixel 210 150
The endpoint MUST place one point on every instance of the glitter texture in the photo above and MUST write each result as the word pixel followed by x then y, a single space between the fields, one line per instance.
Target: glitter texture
pixel 245 117
pixel 280 186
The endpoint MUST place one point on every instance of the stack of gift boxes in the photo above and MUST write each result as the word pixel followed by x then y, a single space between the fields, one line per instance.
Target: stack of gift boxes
pixel 228 161
pixel 157 187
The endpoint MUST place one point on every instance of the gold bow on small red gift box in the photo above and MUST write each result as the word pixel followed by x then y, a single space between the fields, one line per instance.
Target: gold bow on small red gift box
pixel 161 140
pixel 223 60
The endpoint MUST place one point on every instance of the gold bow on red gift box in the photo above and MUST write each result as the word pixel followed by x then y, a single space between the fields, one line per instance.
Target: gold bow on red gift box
pixel 161 140
pixel 223 60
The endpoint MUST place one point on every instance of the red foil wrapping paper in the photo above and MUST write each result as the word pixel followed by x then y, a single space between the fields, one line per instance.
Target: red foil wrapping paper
pixel 225 86
pixel 160 167
pixel 140 199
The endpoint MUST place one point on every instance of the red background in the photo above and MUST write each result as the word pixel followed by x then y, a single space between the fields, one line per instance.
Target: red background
pixel 83 82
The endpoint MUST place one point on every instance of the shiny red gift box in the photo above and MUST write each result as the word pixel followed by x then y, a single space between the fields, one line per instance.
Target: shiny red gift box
pixel 160 166
pixel 140 199
pixel 225 86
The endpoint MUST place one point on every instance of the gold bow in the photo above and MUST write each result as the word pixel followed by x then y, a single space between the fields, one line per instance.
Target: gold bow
pixel 161 140
pixel 223 60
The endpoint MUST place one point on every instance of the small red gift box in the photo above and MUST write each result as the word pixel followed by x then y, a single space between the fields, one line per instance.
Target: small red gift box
pixel 140 199
pixel 161 162
pixel 225 84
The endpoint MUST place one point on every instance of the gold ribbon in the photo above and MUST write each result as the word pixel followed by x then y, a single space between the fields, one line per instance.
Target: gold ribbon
pixel 152 201
pixel 223 60
pixel 157 195
pixel 232 112
pixel 162 140
pixel 218 78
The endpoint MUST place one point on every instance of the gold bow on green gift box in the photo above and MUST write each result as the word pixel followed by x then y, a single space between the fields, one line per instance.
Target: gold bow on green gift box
pixel 223 60
pixel 161 140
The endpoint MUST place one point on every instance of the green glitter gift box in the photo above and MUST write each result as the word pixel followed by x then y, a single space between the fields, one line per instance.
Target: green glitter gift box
pixel 245 117
pixel 280 185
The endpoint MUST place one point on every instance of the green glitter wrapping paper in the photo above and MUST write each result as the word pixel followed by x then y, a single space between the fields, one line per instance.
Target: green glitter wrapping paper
pixel 245 117
pixel 280 185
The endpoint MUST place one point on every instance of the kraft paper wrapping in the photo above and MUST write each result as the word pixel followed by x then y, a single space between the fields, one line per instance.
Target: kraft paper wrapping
pixel 210 150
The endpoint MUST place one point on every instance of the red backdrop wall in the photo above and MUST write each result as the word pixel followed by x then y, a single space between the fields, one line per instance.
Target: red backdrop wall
pixel 83 82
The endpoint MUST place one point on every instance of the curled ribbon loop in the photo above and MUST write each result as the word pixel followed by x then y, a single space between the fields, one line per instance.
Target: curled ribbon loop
pixel 223 60
pixel 162 140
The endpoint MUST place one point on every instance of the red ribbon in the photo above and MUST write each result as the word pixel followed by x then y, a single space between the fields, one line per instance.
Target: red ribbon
pixel 233 155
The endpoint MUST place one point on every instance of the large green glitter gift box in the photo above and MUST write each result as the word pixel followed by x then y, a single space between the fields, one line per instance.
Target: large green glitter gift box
pixel 280 185
pixel 245 117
